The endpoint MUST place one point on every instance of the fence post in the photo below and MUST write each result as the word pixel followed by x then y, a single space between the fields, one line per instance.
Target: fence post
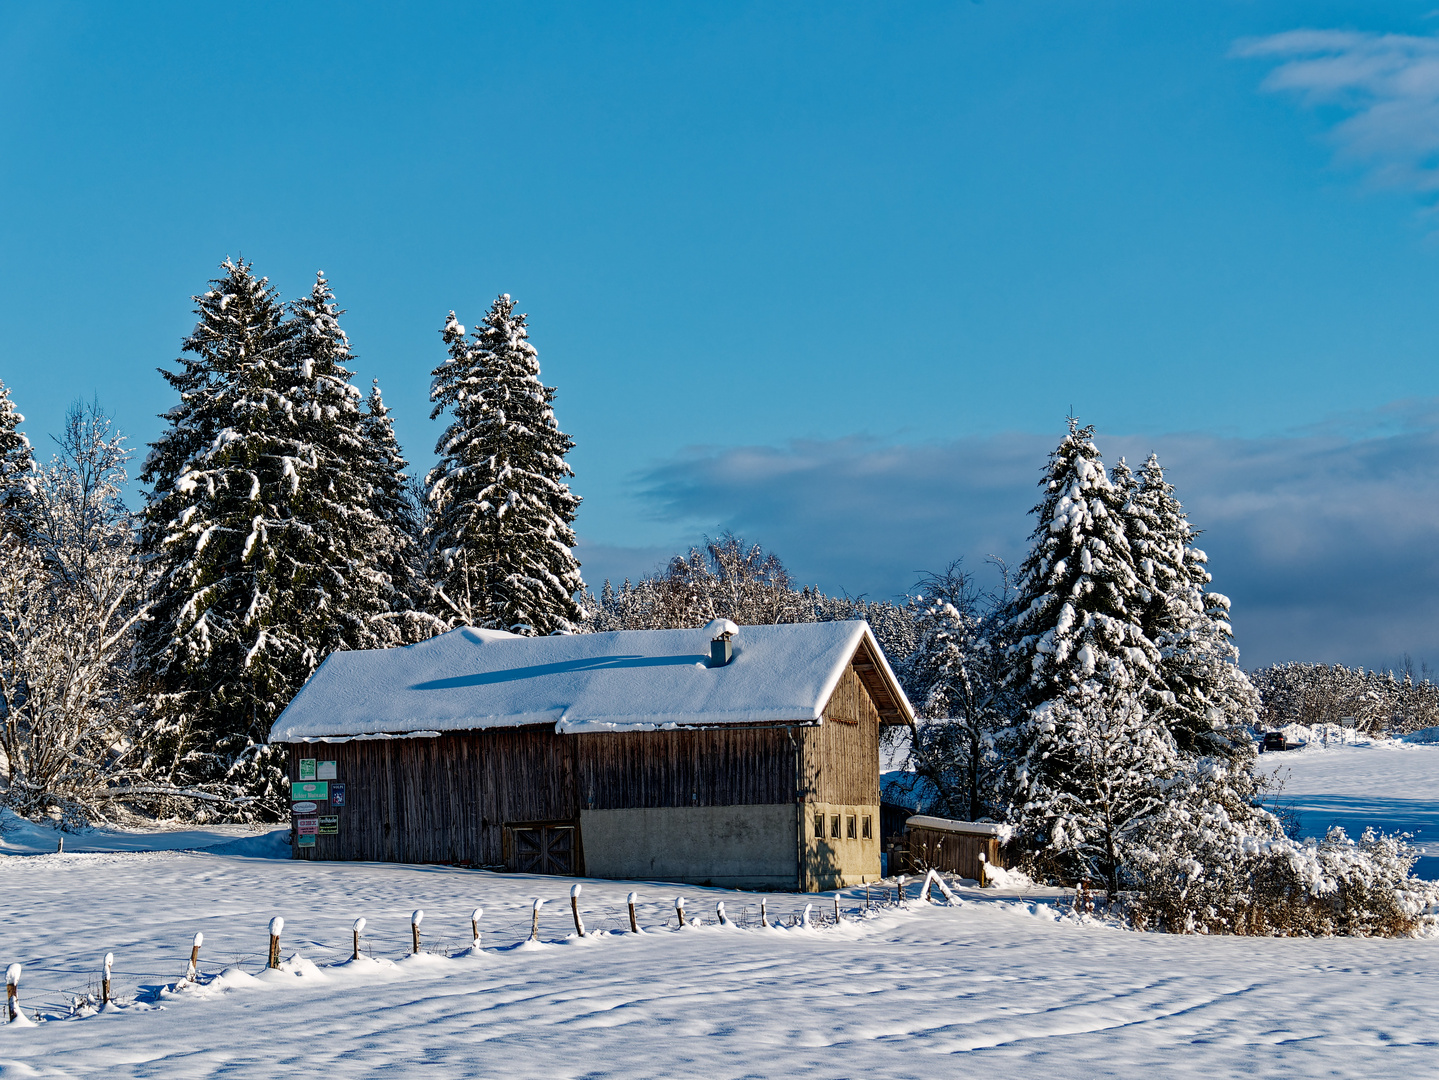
pixel 634 922
pixel 415 919
pixel 983 864
pixel 763 913
pixel 535 921
pixel 475 924
pixel 12 993
pixel 680 910
pixel 804 919
pixel 60 847
pixel 105 981
pixel 575 909
pixel 276 925
pixel 899 891
pixel 192 970
pixel 836 909
pixel 719 913
pixel 357 929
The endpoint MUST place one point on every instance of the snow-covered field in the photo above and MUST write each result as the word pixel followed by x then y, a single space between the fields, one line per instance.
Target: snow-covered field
pixel 1004 985
pixel 1390 784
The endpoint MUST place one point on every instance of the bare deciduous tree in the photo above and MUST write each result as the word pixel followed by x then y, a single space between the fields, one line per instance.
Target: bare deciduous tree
pixel 69 600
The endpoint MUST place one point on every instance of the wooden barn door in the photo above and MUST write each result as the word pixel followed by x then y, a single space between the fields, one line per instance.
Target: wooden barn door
pixel 543 848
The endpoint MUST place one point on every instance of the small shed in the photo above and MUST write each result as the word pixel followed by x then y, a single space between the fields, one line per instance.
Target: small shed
pixel 735 756
pixel 957 847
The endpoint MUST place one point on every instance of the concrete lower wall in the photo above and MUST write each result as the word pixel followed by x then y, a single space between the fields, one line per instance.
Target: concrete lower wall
pixel 733 846
pixel 837 862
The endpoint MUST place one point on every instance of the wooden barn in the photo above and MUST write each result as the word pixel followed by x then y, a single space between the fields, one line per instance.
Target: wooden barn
pixel 736 756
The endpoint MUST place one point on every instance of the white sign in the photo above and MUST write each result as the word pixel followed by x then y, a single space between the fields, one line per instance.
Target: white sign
pixel 303 808
pixel 325 770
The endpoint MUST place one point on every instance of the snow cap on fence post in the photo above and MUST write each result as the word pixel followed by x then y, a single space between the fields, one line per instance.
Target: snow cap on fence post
pixel 105 980
pixel 680 909
pixel 575 909
pixel 12 993
pixel 358 928
pixel 719 913
pixel 634 922
pixel 416 917
pixel 804 920
pixel 535 919
pixel 192 969
pixel 475 924
pixel 276 925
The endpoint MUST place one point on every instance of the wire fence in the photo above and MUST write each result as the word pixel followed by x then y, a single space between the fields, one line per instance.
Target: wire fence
pixel 59 992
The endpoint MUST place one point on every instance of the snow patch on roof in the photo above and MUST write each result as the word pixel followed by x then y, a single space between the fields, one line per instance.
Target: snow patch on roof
pixel 627 680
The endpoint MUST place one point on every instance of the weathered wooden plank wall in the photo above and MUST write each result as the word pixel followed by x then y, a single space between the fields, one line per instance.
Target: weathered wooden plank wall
pixel 443 799
pixel 841 756
pixel 712 767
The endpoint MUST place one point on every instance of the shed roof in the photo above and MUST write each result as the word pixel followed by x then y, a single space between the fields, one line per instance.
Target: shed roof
pixel 626 680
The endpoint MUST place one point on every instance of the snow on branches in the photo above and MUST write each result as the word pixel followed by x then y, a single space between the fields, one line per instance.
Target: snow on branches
pixel 500 531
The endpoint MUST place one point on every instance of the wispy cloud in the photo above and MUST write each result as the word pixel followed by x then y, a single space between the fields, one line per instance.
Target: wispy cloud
pixel 1328 542
pixel 1385 85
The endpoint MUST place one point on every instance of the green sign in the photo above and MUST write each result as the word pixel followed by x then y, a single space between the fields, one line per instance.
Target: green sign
pixel 314 790
pixel 307 840
pixel 307 768
pixel 329 826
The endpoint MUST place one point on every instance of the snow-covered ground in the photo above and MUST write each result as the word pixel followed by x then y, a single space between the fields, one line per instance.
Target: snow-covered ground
pixel 1005 985
pixel 1390 784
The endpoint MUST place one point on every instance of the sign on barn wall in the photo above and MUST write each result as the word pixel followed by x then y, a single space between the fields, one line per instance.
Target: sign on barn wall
pixel 307 768
pixel 337 795
pixel 303 808
pixel 329 826
pixel 324 770
pixel 307 825
pixel 316 790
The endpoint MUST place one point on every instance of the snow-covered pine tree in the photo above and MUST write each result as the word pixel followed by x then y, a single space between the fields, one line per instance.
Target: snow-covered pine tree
pixel 16 461
pixel 954 676
pixel 499 533
pixel 398 526
pixel 1076 646
pixel 334 487
pixel 259 524
pixel 1211 706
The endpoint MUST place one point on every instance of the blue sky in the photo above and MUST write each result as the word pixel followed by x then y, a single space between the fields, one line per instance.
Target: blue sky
pixel 829 275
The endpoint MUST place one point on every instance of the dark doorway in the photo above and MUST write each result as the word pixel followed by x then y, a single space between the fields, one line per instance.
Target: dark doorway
pixel 542 848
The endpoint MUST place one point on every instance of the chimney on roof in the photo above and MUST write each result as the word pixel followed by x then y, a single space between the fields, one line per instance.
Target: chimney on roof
pixel 721 647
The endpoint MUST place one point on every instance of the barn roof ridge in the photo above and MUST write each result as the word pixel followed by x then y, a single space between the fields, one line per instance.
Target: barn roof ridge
pixel 621 680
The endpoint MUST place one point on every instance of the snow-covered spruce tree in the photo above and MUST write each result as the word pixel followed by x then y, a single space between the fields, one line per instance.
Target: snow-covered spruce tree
pixel 398 525
pixel 16 462
pixel 955 675
pixel 499 533
pixel 1076 648
pixel 1210 706
pixel 259 525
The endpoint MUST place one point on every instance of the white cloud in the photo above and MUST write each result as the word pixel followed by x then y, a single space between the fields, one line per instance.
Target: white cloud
pixel 1387 84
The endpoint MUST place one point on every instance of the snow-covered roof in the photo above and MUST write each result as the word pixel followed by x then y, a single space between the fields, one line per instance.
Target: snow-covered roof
pixel 470 679
pixel 969 828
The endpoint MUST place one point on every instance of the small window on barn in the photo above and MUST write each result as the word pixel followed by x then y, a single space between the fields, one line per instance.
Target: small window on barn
pixel 819 826
pixel 866 828
pixel 834 826
pixel 850 832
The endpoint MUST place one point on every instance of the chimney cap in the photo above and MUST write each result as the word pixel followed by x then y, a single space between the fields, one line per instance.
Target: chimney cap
pixel 721 630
